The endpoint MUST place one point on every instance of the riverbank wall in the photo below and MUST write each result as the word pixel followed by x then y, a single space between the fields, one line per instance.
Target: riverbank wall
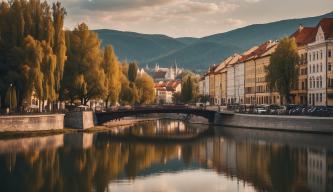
pixel 26 123
pixel 274 122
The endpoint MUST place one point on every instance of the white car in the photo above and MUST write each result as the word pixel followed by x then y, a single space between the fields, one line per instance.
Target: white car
pixel 260 110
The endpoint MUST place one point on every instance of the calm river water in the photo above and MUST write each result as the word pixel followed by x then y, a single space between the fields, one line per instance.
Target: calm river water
pixel 180 158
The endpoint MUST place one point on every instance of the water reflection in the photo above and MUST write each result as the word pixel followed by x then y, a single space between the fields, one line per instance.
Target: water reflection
pixel 232 160
pixel 161 129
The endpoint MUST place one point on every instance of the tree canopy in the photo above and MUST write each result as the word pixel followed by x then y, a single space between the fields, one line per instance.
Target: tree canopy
pixel 282 72
pixel 84 74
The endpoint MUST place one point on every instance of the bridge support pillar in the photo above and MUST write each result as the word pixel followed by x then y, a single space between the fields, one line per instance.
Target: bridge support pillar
pixel 79 120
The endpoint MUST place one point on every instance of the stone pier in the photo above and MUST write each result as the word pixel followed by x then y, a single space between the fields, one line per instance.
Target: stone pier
pixel 79 120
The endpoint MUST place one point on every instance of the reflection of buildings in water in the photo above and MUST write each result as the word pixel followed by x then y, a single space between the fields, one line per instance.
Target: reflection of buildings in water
pixel 23 145
pixel 317 169
pixel 170 126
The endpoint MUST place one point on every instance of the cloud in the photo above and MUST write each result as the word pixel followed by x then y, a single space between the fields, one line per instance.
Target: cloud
pixel 235 22
pixel 121 5
pixel 252 1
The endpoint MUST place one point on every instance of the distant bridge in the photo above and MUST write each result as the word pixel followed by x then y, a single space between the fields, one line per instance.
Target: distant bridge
pixel 103 117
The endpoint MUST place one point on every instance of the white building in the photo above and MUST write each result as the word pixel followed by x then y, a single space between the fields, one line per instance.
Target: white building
pixel 235 78
pixel 317 169
pixel 166 90
pixel 319 63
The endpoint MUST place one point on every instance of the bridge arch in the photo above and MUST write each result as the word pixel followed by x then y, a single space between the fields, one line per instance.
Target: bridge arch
pixel 103 117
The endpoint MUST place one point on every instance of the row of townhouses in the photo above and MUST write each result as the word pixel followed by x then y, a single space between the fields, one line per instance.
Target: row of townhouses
pixel 241 78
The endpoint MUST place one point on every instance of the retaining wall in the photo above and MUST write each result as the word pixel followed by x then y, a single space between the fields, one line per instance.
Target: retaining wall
pixel 23 123
pixel 273 122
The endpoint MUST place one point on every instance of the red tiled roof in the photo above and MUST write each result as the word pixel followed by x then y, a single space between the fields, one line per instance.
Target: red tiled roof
pixel 327 26
pixel 304 35
pixel 259 51
pixel 167 85
pixel 159 74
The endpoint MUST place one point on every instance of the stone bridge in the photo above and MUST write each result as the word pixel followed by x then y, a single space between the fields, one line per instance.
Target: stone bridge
pixel 103 117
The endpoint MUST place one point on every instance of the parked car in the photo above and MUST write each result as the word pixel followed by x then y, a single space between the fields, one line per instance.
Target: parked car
pixel 260 110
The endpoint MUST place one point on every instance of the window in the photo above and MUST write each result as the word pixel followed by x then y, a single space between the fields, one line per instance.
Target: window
pixel 320 82
pixel 329 66
pixel 321 67
pixel 317 82
pixel 329 53
pixel 313 69
pixel 321 54
pixel 317 97
pixel 321 97
pixel 310 82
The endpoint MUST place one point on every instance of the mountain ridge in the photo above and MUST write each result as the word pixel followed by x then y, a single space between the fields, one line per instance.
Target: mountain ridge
pixel 198 53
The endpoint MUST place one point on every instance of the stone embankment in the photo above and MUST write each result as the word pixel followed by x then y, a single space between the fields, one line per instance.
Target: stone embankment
pixel 23 123
pixel 276 122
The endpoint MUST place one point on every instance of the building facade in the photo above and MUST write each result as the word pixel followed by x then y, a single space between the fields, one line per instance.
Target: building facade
pixel 320 65
pixel 234 71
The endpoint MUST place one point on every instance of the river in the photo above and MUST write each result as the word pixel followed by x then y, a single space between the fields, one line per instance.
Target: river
pixel 168 155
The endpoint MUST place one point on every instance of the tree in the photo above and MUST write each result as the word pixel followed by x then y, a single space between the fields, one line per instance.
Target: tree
pixel 187 90
pixel 145 88
pixel 32 66
pixel 112 75
pixel 20 19
pixel 132 71
pixel 84 74
pixel 11 100
pixel 59 46
pixel 282 72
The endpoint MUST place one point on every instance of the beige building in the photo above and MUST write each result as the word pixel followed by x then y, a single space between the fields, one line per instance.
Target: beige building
pixel 256 87
pixel 303 36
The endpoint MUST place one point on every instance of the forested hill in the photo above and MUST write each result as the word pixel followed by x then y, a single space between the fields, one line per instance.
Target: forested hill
pixel 197 53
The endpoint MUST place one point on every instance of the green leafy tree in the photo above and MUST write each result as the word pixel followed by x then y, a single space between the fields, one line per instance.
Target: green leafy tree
pixel 85 78
pixel 187 90
pixel 282 72
pixel 132 71
pixel 112 75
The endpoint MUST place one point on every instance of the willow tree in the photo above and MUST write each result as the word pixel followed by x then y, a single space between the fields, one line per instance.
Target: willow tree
pixel 112 75
pixel 85 78
pixel 282 72
pixel 59 45
pixel 32 66
pixel 145 89
pixel 43 23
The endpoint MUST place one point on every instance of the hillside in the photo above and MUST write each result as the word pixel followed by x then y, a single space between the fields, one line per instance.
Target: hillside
pixel 136 46
pixel 198 53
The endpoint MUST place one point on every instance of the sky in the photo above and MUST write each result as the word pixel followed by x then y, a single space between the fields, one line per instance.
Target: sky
pixel 186 18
